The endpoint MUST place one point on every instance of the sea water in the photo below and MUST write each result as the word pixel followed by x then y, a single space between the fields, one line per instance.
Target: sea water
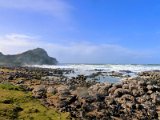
pixel 88 69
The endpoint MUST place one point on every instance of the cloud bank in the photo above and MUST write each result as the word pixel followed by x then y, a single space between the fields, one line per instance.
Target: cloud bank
pixel 72 52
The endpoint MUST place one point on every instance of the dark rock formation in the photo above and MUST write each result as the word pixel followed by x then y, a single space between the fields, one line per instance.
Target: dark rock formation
pixel 32 57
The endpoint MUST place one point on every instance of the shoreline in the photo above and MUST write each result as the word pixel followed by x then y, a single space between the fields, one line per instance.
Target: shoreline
pixel 132 98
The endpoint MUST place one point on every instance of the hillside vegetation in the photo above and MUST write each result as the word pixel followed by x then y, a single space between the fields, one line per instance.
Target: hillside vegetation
pixel 16 104
pixel 37 56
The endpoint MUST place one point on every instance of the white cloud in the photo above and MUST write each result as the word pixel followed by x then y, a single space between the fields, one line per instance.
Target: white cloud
pixel 58 8
pixel 83 52
pixel 15 43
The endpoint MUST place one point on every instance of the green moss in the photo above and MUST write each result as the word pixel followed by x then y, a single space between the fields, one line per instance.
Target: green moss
pixel 9 86
pixel 19 105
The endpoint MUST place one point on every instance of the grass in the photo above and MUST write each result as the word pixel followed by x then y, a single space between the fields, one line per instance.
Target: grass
pixel 16 104
pixel 9 86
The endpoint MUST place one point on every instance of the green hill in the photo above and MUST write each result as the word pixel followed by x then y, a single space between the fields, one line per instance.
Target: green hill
pixel 37 56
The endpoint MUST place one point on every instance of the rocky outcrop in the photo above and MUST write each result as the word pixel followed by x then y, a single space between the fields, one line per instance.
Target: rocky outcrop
pixel 131 99
pixel 32 57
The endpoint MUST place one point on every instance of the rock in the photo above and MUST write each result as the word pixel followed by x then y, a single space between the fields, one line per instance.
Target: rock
pixel 141 83
pixel 140 100
pixel 63 90
pixel 131 105
pixel 119 92
pixel 133 98
pixel 109 100
pixel 88 107
pixel 82 92
pixel 135 92
pixel 10 77
pixel 117 85
pixel 90 99
pixel 150 87
pixel 20 81
pixel 111 90
pixel 116 74
pixel 125 71
pixel 51 90
pixel 132 86
pixel 155 98
pixel 125 86
pixel 39 91
pixel 126 97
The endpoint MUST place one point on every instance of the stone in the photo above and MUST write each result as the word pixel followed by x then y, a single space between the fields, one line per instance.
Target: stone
pixel 51 90
pixel 120 91
pixel 63 90
pixel 82 92
pixel 39 91
pixel 20 81
pixel 150 87
pixel 125 86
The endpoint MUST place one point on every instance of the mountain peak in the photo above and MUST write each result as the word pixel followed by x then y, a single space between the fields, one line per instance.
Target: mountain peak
pixel 38 49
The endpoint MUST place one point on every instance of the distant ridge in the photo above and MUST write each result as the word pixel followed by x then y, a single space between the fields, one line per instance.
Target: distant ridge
pixel 36 56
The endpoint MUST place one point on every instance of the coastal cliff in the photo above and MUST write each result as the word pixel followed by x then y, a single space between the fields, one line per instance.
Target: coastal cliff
pixel 36 56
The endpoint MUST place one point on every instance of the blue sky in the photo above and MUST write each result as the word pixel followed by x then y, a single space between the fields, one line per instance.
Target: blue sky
pixel 83 31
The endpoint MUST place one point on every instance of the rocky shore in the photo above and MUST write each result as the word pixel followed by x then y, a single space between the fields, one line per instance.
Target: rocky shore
pixel 132 99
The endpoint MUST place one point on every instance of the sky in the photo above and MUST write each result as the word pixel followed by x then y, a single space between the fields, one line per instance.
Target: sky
pixel 83 31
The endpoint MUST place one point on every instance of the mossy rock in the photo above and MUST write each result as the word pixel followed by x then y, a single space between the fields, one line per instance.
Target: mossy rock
pixel 16 104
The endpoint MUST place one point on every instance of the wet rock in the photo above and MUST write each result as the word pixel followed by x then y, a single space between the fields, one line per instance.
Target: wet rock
pixel 125 71
pixel 116 74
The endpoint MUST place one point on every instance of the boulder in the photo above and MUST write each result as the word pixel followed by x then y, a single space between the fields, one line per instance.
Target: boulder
pixel 39 91
pixel 51 90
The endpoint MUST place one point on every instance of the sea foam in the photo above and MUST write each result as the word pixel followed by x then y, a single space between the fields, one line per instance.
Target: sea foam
pixel 86 69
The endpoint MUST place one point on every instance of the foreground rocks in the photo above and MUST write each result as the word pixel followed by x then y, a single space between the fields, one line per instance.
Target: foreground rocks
pixel 132 99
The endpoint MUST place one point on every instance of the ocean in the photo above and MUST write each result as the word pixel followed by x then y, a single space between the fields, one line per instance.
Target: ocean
pixel 88 69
